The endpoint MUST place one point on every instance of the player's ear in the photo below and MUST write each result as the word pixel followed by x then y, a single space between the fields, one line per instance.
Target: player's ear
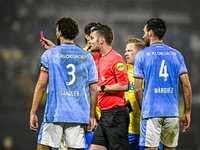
pixel 60 33
pixel 102 39
pixel 151 33
pixel 87 37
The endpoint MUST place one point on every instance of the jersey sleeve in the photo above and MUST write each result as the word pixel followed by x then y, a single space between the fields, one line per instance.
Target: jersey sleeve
pixel 120 71
pixel 138 66
pixel 45 60
pixel 93 76
pixel 183 68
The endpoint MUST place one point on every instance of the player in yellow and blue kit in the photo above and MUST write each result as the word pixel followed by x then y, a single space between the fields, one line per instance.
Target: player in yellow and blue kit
pixel 133 46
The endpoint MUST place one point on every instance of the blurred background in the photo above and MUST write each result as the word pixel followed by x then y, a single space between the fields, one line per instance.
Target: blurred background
pixel 20 51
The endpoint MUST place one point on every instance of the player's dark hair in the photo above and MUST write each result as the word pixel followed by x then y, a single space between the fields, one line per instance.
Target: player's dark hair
pixel 68 27
pixel 105 31
pixel 158 26
pixel 87 29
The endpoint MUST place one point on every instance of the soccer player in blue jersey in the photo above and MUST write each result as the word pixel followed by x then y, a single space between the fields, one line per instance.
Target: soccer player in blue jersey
pixel 133 46
pixel 49 44
pixel 162 67
pixel 72 76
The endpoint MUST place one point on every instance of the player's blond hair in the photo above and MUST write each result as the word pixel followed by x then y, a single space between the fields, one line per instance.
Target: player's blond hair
pixel 138 42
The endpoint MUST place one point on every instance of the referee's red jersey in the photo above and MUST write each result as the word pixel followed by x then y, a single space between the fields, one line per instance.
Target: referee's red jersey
pixel 111 70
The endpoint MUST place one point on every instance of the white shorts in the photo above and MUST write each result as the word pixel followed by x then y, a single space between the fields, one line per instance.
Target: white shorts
pixel 164 129
pixel 50 134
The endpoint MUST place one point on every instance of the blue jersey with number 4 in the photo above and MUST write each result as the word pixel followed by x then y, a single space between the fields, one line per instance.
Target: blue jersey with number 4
pixel 71 70
pixel 161 67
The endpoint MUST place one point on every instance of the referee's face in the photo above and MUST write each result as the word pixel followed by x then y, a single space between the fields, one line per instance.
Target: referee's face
pixel 94 42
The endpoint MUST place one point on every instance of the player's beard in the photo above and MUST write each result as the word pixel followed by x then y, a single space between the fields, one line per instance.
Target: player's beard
pixel 147 42
pixel 58 41
pixel 95 47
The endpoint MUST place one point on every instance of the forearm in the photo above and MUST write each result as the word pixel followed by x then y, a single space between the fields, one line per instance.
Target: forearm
pixel 93 99
pixel 138 91
pixel 139 97
pixel 115 88
pixel 187 96
pixel 187 92
pixel 38 94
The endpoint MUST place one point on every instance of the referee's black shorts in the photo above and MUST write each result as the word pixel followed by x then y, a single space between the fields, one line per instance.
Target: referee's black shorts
pixel 112 129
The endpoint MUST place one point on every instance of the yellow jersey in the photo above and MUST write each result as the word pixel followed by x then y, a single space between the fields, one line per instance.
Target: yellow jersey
pixel 86 48
pixel 134 126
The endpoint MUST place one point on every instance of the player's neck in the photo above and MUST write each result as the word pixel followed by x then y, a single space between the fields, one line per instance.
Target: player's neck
pixel 155 40
pixel 62 40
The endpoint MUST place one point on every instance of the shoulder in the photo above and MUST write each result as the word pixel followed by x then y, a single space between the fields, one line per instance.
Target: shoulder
pixel 129 67
pixel 115 56
pixel 85 48
pixel 174 52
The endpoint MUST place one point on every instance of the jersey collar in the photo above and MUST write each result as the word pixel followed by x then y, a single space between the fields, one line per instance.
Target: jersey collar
pixel 157 42
pixel 68 43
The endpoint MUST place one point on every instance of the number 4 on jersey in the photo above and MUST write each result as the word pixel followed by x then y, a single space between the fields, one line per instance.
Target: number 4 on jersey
pixel 163 71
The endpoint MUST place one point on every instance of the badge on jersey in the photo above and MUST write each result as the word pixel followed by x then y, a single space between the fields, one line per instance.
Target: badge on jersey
pixel 120 66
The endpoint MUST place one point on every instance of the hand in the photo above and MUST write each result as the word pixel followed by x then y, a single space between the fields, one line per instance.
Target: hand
pixel 95 123
pixel 185 122
pixel 33 123
pixel 47 44
pixel 90 126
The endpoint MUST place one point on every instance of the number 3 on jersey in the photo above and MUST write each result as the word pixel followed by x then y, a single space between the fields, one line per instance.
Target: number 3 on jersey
pixel 71 73
pixel 163 71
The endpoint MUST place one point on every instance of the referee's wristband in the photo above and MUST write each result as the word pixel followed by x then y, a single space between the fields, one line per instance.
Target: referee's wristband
pixel 102 88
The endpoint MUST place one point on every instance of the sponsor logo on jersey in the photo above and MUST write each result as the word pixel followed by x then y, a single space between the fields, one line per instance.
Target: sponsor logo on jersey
pixel 120 66
pixel 102 78
pixel 148 53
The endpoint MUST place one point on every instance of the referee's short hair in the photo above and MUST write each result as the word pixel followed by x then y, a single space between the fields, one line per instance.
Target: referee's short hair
pixel 105 31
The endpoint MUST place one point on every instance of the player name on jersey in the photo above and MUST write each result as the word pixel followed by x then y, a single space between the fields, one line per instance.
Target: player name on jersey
pixel 164 90
pixel 69 93
pixel 161 53
pixel 70 56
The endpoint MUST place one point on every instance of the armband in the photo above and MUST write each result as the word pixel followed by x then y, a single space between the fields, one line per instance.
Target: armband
pixel 44 69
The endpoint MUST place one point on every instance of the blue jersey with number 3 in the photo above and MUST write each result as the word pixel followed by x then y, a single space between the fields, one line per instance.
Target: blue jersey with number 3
pixel 161 67
pixel 71 70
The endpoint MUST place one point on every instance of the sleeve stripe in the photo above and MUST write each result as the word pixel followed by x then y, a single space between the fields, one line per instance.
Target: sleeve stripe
pixel 44 72
pixel 138 77
pixel 93 82
pixel 183 73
